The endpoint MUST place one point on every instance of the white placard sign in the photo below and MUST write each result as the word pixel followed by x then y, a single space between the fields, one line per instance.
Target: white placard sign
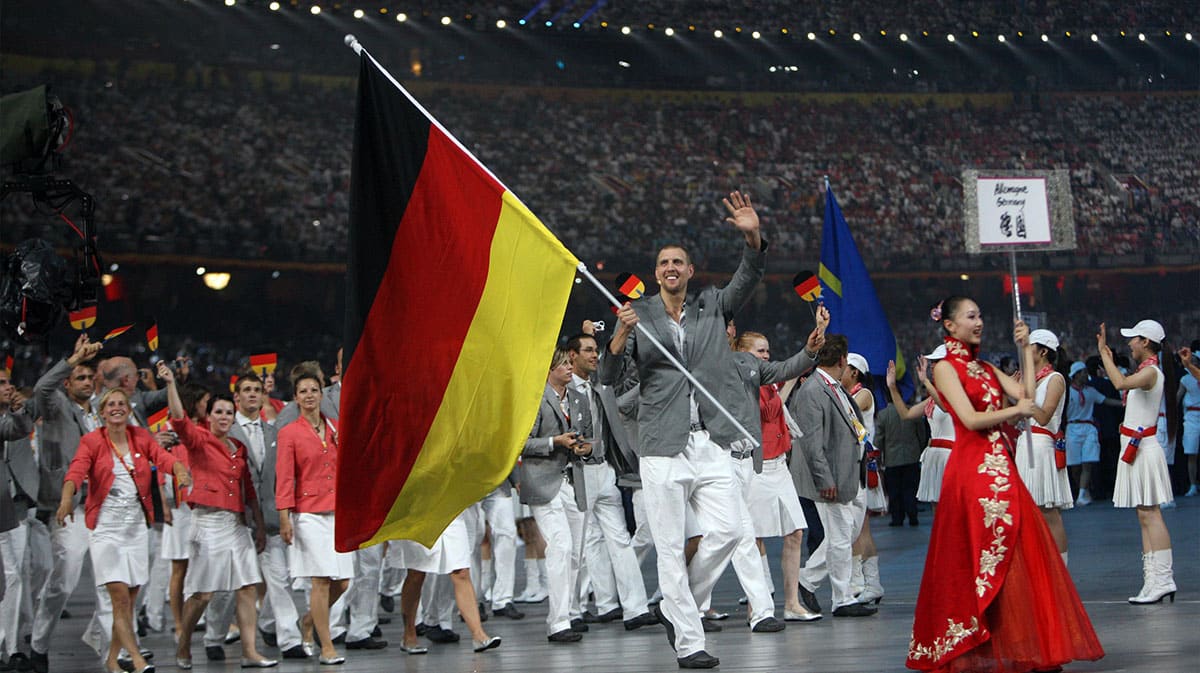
pixel 1023 210
pixel 1013 211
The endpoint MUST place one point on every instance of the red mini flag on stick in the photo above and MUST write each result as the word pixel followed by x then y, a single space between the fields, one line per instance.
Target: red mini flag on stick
pixel 152 336
pixel 467 335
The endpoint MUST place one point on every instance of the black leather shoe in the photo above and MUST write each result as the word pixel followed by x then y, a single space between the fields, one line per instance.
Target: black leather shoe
pixel 810 600
pixel 590 618
pixel 610 616
pixel 710 626
pixel 700 659
pixel 423 628
pixel 565 636
pixel 578 626
pixel 40 661
pixel 509 611
pixel 854 610
pixel 295 652
pixel 483 613
pixel 376 632
pixel 644 619
pixel 20 662
pixel 387 603
pixel 341 639
pixel 368 643
pixel 383 621
pixel 439 635
pixel 768 625
pixel 662 618
pixel 268 638
pixel 214 653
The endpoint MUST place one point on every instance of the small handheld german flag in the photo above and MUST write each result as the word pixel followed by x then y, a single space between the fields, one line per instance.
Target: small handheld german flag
pixel 8 365
pixel 264 363
pixel 807 286
pixel 233 379
pixel 114 333
pixel 630 286
pixel 158 420
pixel 83 318
pixel 152 336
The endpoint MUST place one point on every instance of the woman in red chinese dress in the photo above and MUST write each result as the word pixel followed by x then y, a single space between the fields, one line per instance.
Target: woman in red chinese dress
pixel 995 596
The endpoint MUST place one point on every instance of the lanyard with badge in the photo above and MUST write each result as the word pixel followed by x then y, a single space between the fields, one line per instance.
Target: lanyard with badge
pixel 137 493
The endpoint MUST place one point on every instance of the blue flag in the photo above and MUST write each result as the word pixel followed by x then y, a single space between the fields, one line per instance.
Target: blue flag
pixel 854 307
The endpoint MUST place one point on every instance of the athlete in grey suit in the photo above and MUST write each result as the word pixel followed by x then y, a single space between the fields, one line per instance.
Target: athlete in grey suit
pixel 552 484
pixel 15 426
pixel 830 470
pixel 63 397
pixel 680 464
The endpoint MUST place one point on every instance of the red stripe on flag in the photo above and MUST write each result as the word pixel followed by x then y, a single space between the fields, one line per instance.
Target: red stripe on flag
pixel 411 340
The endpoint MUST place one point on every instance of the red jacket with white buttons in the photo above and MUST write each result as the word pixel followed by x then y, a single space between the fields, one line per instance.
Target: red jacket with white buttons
pixel 306 467
pixel 219 478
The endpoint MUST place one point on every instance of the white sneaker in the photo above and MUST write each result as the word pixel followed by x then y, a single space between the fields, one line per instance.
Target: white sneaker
pixel 1084 499
pixel 1193 491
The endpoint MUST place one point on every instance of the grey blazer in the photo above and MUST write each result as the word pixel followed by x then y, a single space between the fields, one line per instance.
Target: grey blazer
pixel 663 413
pixel 754 374
pixel 619 448
pixel 541 468
pixel 829 447
pixel 143 402
pixel 14 436
pixel 63 424
pixel 262 475
pixel 331 404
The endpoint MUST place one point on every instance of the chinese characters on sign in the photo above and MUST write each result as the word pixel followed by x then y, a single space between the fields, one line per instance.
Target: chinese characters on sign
pixel 1013 211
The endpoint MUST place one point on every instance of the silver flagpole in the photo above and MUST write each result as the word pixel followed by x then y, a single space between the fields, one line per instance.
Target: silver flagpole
pixel 1016 291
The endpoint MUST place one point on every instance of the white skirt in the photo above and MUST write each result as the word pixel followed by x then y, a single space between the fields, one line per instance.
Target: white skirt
pixel 876 498
pixel 312 553
pixel 1049 486
pixel 223 556
pixel 120 552
pixel 1145 483
pixel 177 538
pixel 933 466
pixel 774 505
pixel 451 551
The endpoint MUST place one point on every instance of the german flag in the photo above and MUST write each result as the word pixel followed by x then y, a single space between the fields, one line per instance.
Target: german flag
pixel 83 318
pixel 117 331
pixel 152 336
pixel 630 286
pixel 157 420
pixel 807 286
pixel 264 363
pixel 455 294
pixel 8 366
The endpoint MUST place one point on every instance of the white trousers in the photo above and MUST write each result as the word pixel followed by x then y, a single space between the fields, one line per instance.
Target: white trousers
pixel 596 572
pixel 219 614
pixel 747 562
pixel 364 592
pixel 642 541
pixel 68 548
pixel 498 511
pixel 278 612
pixel 609 549
pixel 700 475
pixel 562 525
pixel 833 558
pixel 437 601
pixel 12 552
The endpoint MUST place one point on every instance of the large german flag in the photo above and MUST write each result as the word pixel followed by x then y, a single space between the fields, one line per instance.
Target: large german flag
pixel 455 293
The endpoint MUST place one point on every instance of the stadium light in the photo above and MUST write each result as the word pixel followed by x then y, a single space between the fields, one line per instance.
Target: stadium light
pixel 1045 37
pixel 216 281
pixel 1095 37
pixel 718 34
pixel 274 6
pixel 1141 37
pixel 832 32
pixel 974 33
pixel 200 271
pixel 999 38
pixel 1187 36
pixel 883 33
pixel 358 14
pixel 950 37
pixel 501 23
pixel 904 37
pixel 812 36
pixel 669 31
pixel 401 17
pixel 314 10
pixel 549 24
pixel 230 3
pixel 857 37
pixel 756 35
pixel 625 30
pixel 1067 34
pixel 783 30
pixel 1167 33
pixel 445 21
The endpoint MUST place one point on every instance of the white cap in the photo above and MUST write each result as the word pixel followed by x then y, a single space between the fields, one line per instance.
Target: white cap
pixel 858 362
pixel 938 353
pixel 1146 328
pixel 1044 337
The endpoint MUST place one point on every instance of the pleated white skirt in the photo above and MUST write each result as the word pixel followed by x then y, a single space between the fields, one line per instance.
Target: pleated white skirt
pixel 933 466
pixel 774 505
pixel 1145 483
pixel 451 551
pixel 312 553
pixel 222 555
pixel 120 551
pixel 177 538
pixel 1048 485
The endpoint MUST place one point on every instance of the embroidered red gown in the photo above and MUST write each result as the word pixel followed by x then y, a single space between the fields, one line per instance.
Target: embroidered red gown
pixel 995 596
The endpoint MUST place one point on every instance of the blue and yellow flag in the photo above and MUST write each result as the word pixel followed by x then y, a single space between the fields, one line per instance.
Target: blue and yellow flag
pixel 854 307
